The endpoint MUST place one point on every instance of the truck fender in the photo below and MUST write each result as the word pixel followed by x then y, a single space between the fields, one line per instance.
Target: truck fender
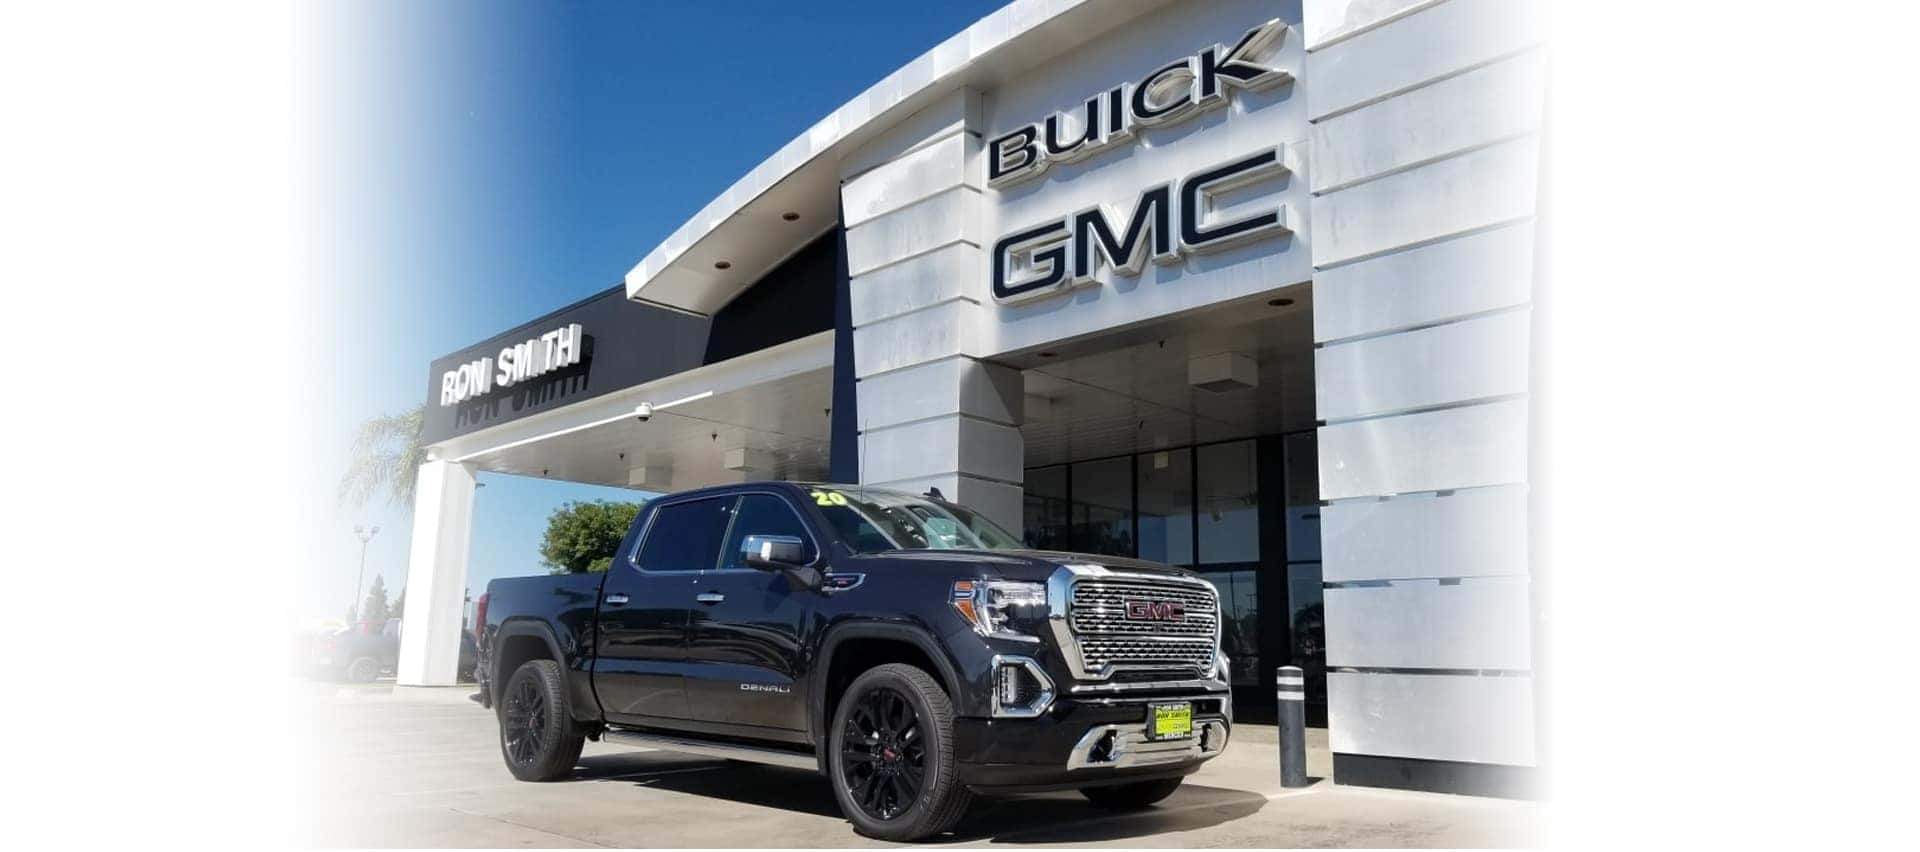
pixel 517 627
pixel 817 711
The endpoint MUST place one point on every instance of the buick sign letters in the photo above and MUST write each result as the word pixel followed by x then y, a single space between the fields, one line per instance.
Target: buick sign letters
pixel 1173 92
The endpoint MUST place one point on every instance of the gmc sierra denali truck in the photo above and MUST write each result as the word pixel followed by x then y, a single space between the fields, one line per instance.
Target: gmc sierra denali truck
pixel 903 646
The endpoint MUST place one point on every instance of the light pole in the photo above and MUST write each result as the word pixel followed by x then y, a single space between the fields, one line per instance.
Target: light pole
pixel 366 534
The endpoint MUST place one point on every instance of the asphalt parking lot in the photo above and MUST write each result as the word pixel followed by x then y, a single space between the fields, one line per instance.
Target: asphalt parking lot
pixel 424 770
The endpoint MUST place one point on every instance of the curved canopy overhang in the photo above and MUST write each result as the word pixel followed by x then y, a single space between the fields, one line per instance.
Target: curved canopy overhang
pixel 749 229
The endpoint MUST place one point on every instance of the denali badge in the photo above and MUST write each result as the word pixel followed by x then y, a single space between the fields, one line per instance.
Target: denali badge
pixel 763 687
pixel 1156 611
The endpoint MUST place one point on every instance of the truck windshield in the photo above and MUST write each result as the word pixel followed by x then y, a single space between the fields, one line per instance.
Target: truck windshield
pixel 872 520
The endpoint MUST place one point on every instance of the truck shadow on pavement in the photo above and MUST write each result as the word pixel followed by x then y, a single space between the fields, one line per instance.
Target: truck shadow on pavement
pixel 1064 818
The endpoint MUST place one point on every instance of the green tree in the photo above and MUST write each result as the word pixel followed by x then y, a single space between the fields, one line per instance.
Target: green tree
pixel 375 609
pixel 582 537
pixel 387 455
pixel 399 607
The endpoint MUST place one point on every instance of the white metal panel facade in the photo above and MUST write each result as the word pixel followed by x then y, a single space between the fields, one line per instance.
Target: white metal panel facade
pixel 1426 120
pixel 1113 177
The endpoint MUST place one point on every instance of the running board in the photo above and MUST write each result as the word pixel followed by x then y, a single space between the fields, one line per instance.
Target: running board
pixel 705 748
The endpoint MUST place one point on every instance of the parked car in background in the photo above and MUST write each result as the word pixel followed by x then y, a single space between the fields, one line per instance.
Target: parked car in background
pixel 360 653
pixel 364 652
pixel 469 656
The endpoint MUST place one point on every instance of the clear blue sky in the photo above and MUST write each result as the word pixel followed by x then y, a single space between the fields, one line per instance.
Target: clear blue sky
pixel 471 165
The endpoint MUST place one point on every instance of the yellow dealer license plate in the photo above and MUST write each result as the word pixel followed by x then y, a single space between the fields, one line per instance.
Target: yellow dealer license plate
pixel 1170 721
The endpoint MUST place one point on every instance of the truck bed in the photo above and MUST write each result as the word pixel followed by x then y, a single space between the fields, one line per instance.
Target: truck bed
pixel 562 604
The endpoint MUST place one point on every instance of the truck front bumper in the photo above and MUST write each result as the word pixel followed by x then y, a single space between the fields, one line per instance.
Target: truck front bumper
pixel 1087 742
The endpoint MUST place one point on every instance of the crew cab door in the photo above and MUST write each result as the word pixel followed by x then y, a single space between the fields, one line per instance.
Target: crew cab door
pixel 640 660
pixel 745 658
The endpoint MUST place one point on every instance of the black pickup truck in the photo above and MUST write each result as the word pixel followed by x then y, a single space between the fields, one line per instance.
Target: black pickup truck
pixel 901 645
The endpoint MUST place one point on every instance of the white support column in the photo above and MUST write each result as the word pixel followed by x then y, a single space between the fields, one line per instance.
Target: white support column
pixel 1423 242
pixel 437 574
pixel 932 414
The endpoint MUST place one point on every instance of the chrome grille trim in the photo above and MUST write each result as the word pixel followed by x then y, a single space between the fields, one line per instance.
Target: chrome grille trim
pixel 1099 606
pixel 1082 600
pixel 1147 652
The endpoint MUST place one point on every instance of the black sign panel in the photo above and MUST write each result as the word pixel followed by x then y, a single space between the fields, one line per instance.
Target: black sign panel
pixel 627 343
pixel 630 343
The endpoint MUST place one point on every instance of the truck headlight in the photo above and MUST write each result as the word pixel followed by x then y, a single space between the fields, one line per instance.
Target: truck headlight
pixel 990 605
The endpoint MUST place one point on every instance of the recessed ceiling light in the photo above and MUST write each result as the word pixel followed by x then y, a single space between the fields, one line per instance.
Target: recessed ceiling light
pixel 1279 303
pixel 790 216
pixel 722 264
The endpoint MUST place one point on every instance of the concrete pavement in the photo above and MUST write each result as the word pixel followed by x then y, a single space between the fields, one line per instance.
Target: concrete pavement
pixel 425 770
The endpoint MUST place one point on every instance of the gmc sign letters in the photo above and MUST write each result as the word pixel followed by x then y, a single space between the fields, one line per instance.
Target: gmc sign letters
pixel 1168 220
pixel 1061 254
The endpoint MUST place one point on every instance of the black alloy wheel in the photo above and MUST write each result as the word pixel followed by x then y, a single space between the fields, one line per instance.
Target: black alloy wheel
pixel 890 755
pixel 884 756
pixel 538 737
pixel 523 721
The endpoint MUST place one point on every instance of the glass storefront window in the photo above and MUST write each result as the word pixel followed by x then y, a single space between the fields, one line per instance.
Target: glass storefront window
pixel 1307 627
pixel 1303 497
pixel 1229 504
pixel 1239 623
pixel 1044 524
pixel 1166 506
pixel 1103 507
pixel 1306 621
pixel 1200 507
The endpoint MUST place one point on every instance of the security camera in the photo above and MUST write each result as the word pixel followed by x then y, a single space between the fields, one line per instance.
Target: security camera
pixel 644 412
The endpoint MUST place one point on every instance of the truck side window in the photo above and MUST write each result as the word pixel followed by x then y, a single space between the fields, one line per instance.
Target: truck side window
pixel 763 514
pixel 686 536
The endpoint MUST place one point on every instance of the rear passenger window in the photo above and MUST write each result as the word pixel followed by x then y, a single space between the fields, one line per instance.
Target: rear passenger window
pixel 686 536
pixel 763 514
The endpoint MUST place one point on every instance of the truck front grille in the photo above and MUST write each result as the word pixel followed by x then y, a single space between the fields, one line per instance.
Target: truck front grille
pixel 1144 624
pixel 1100 606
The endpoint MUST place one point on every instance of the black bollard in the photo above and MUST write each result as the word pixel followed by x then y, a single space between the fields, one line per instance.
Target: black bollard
pixel 1291 685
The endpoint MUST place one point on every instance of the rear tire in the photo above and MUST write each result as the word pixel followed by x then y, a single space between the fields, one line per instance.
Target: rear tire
pixel 362 670
pixel 891 755
pixel 538 738
pixel 1127 797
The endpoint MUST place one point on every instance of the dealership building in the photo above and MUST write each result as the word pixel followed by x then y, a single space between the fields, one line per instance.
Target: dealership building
pixel 1245 286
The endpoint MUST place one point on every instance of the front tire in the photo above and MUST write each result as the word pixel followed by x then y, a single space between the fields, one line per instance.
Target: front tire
pixel 1127 797
pixel 537 734
pixel 891 755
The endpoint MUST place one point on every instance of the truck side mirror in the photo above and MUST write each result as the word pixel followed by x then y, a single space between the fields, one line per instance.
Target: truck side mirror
pixel 773 552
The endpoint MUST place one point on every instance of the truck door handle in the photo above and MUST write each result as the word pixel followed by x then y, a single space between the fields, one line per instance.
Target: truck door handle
pixel 709 597
pixel 617 599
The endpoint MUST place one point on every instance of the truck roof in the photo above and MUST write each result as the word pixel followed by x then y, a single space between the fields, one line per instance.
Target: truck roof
pixel 784 483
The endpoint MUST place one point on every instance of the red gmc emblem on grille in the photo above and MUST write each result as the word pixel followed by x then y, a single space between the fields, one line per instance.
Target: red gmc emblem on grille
pixel 1155 611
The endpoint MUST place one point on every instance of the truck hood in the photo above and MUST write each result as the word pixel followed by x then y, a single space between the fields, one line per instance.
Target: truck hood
pixel 1034 565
